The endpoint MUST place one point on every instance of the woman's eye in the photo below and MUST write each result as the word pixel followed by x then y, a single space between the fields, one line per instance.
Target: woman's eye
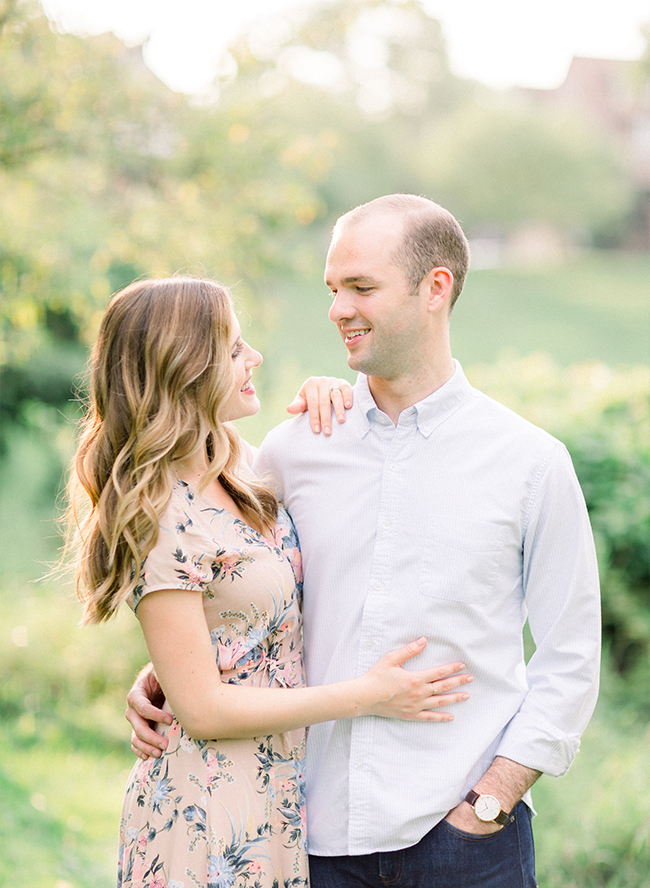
pixel 238 350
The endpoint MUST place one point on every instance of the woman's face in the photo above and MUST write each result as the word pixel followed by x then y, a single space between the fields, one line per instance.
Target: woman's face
pixel 242 400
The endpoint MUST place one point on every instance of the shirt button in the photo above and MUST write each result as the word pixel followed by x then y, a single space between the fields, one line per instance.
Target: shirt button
pixel 393 466
pixel 359 766
pixel 386 525
pixel 369 645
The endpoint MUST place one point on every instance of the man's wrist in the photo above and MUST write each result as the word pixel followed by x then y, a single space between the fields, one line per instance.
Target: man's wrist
pixel 487 807
pixel 507 781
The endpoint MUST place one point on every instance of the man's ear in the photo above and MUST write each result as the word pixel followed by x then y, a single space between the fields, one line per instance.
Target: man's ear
pixel 439 284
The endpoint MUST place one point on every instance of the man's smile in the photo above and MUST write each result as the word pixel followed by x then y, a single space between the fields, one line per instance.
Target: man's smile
pixel 350 336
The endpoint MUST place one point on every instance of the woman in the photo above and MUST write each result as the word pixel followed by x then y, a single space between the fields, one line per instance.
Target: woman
pixel 181 530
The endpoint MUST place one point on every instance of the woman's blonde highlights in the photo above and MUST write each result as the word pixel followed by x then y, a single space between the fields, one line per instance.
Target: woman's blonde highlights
pixel 160 370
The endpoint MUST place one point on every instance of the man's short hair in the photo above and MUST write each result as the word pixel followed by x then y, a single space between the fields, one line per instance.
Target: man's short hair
pixel 432 238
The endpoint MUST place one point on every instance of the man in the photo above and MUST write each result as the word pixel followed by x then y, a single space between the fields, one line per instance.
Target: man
pixel 433 510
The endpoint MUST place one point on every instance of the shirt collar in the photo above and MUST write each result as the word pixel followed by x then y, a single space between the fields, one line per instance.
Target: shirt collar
pixel 427 414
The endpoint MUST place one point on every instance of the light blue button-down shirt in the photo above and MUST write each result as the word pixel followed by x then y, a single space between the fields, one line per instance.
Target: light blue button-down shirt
pixel 458 524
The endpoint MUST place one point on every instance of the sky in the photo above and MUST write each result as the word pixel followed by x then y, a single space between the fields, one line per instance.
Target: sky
pixel 500 42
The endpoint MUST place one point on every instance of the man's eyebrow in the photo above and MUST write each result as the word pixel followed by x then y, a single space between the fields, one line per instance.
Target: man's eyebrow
pixel 355 279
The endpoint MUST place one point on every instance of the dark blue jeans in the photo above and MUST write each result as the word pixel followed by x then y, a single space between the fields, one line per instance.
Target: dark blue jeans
pixel 444 858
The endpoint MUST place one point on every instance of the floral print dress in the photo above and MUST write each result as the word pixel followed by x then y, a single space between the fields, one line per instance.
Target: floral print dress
pixel 224 813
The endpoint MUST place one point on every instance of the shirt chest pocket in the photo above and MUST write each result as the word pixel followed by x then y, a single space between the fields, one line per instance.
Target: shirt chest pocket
pixel 461 558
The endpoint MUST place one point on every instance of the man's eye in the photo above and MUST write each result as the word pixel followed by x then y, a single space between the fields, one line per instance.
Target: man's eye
pixel 364 289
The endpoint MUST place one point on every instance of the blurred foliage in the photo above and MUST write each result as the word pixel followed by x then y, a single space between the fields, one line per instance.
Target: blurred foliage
pixel 107 175
pixel 548 166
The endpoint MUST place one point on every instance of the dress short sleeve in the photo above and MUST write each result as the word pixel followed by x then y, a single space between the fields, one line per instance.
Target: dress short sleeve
pixel 183 555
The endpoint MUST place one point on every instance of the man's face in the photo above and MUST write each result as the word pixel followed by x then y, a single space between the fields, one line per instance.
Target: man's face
pixel 382 323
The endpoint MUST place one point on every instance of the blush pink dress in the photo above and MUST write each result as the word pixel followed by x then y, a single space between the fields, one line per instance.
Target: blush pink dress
pixel 224 813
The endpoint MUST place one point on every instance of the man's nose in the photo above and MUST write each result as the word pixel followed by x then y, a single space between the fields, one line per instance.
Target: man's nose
pixel 342 307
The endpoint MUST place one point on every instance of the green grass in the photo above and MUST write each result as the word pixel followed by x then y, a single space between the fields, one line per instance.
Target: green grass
pixel 595 308
pixel 61 805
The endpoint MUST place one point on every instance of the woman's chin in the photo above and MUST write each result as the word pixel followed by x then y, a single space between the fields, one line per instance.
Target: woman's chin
pixel 249 408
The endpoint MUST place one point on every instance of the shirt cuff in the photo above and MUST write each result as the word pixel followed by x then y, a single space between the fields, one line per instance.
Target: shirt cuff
pixel 542 747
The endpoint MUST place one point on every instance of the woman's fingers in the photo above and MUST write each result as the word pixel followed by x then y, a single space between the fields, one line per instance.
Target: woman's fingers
pixel 439 673
pixel 317 396
pixel 344 389
pixel 444 685
pixel 430 708
pixel 400 655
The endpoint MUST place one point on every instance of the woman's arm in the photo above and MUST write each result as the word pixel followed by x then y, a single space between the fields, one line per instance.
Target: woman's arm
pixel 181 651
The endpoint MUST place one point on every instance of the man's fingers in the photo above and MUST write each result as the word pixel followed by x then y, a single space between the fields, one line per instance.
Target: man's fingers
pixel 140 706
pixel 144 750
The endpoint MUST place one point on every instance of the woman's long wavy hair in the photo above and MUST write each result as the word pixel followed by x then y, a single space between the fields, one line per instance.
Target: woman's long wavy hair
pixel 160 371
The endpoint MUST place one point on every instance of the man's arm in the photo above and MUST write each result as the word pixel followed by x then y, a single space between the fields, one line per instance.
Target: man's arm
pixel 507 781
pixel 562 598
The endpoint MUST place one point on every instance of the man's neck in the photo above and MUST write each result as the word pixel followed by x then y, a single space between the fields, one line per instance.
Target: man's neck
pixel 392 396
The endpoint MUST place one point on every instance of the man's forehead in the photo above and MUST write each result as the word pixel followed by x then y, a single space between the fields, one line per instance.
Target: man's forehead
pixel 356 255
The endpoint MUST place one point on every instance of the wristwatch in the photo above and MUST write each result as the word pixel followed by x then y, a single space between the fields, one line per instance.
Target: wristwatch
pixel 486 808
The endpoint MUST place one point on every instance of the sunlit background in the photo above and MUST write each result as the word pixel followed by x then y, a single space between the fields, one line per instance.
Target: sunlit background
pixel 499 42
pixel 224 139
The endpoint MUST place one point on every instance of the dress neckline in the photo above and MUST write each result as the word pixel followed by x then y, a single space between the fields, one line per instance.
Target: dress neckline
pixel 213 505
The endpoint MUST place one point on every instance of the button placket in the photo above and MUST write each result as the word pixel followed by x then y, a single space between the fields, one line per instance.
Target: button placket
pixel 380 581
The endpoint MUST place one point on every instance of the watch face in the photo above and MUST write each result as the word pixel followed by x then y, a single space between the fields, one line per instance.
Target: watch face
pixel 486 807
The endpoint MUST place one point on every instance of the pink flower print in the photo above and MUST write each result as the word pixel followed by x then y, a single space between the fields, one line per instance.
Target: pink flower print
pixel 212 769
pixel 228 567
pixel 158 883
pixel 227 655
pixel 142 843
pixel 187 744
pixel 194 576
pixel 254 867
pixel 143 774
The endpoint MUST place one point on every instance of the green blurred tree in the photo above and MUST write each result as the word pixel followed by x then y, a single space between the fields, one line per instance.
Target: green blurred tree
pixel 107 175
pixel 503 167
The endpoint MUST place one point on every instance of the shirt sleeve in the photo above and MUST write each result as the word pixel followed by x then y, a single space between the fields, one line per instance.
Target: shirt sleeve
pixel 248 452
pixel 560 581
pixel 266 463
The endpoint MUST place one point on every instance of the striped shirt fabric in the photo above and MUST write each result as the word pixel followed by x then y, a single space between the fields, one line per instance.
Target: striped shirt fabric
pixel 459 523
